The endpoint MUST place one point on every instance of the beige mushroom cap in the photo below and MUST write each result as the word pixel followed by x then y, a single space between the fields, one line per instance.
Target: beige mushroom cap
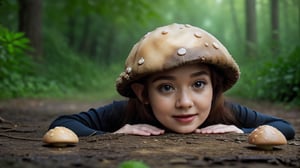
pixel 60 136
pixel 171 46
pixel 266 135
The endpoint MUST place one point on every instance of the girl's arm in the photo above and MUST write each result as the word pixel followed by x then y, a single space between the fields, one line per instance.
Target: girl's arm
pixel 251 119
pixel 95 121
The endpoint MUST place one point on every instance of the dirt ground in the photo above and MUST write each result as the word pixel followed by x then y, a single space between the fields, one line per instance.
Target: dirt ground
pixel 24 122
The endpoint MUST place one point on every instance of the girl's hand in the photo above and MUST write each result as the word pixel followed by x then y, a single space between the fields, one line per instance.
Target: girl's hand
pixel 140 129
pixel 218 129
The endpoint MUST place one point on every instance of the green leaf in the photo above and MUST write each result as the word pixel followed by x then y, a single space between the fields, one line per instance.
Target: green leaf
pixel 18 35
pixel 133 164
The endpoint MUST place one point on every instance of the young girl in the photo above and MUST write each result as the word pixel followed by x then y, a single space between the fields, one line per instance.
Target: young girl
pixel 174 78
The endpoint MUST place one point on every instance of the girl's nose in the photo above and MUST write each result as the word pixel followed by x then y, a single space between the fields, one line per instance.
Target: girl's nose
pixel 184 100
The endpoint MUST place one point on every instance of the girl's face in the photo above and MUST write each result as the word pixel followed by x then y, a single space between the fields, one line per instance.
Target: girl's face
pixel 181 98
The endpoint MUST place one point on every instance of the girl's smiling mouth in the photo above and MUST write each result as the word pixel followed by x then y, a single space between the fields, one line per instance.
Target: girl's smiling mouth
pixel 185 118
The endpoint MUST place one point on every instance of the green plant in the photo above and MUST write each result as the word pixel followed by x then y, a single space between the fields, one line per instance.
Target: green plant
pixel 13 47
pixel 13 61
pixel 76 74
pixel 133 164
pixel 17 68
pixel 280 80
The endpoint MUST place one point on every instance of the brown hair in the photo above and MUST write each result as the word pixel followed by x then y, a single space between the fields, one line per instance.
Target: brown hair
pixel 220 113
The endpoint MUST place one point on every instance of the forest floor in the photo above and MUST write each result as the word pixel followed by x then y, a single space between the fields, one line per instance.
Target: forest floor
pixel 24 122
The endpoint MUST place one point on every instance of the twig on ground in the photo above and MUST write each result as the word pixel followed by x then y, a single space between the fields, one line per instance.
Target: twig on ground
pixel 20 138
pixel 2 120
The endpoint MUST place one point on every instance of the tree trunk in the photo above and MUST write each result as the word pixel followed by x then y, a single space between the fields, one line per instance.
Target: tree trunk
pixel 250 28
pixel 85 36
pixel 274 27
pixel 71 32
pixel 30 22
pixel 235 22
pixel 93 48
pixel 110 45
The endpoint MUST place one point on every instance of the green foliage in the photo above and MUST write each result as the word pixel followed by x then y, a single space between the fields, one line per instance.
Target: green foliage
pixel 133 164
pixel 13 47
pixel 86 43
pixel 269 78
pixel 61 72
pixel 75 73
pixel 279 80
pixel 17 69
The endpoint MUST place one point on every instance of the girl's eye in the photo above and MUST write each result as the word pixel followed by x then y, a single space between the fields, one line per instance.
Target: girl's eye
pixel 199 84
pixel 165 88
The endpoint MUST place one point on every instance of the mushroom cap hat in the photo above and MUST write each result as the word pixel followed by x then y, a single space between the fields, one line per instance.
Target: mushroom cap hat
pixel 171 46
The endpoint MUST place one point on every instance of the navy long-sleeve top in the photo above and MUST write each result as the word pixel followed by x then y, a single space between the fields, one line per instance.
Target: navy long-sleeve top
pixel 109 119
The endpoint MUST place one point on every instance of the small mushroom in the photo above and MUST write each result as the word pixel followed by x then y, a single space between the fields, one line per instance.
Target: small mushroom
pixel 60 137
pixel 266 137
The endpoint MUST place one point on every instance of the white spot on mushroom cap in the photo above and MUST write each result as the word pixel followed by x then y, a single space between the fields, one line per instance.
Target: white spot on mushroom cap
pixel 141 61
pixel 187 26
pixel 181 51
pixel 128 70
pixel 202 58
pixel 164 32
pixel 215 45
pixel 198 34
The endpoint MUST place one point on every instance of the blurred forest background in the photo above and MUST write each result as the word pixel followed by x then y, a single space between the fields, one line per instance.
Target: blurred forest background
pixel 75 49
